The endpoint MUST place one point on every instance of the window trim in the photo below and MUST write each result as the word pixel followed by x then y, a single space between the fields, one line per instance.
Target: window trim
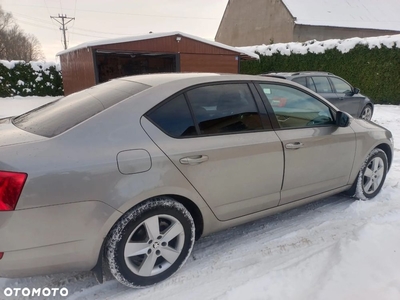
pixel 270 110
pixel 311 81
pixel 199 134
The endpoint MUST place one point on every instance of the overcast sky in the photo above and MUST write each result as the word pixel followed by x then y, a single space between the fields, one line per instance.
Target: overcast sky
pixel 102 19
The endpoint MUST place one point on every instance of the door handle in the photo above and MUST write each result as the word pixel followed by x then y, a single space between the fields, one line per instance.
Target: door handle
pixel 193 160
pixel 294 146
pixel 341 98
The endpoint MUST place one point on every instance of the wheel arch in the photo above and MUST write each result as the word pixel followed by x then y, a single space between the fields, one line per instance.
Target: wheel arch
pixel 194 211
pixel 367 103
pixel 388 151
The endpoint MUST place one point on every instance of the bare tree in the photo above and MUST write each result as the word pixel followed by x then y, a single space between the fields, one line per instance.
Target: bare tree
pixel 35 48
pixel 5 21
pixel 15 44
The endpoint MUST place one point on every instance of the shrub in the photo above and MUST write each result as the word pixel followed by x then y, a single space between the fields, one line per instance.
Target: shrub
pixel 376 71
pixel 18 78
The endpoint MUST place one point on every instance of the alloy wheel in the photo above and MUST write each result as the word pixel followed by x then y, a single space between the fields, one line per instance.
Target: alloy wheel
pixel 154 245
pixel 366 113
pixel 373 175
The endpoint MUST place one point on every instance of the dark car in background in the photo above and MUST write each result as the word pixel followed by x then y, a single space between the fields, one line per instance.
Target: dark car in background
pixel 334 89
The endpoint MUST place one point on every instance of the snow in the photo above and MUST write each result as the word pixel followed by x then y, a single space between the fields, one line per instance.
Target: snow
pixel 317 47
pixel 44 65
pixel 11 64
pixel 18 105
pixel 36 65
pixel 154 36
pixel 371 14
pixel 336 248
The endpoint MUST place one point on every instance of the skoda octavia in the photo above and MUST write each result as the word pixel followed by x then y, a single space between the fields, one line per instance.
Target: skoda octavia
pixel 133 171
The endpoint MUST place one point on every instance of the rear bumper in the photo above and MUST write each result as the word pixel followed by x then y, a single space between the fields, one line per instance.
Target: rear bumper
pixel 53 239
pixel 74 256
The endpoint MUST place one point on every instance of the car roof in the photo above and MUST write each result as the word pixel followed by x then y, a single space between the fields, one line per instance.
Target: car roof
pixel 163 78
pixel 289 75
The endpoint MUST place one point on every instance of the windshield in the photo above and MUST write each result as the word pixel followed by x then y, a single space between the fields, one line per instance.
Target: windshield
pixel 56 117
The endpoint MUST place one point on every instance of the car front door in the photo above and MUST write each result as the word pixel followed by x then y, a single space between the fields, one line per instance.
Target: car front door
pixel 217 137
pixel 349 102
pixel 318 154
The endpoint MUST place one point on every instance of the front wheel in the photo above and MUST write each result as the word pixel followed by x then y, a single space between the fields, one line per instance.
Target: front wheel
pixel 366 113
pixel 372 175
pixel 150 242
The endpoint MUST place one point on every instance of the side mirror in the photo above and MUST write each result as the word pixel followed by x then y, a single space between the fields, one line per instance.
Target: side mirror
pixel 342 119
pixel 356 90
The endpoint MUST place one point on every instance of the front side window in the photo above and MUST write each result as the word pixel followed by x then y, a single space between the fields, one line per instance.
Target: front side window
pixel 322 84
pixel 296 109
pixel 341 86
pixel 224 108
pixel 174 118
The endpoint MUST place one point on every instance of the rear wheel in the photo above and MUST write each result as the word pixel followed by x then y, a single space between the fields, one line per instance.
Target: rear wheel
pixel 366 113
pixel 150 243
pixel 372 175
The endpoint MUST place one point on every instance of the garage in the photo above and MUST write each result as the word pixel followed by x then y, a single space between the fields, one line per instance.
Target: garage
pixel 92 63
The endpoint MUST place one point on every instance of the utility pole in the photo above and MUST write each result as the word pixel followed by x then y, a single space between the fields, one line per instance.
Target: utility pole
pixel 63 23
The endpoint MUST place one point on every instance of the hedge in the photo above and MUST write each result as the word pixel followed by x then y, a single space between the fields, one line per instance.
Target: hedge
pixel 376 71
pixel 18 78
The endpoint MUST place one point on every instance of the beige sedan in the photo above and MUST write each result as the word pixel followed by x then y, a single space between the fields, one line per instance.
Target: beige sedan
pixel 133 171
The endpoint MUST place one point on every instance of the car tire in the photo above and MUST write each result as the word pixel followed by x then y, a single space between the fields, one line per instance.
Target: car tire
pixel 371 177
pixel 150 242
pixel 366 113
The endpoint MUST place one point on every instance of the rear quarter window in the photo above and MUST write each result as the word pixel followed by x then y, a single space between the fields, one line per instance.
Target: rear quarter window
pixel 56 117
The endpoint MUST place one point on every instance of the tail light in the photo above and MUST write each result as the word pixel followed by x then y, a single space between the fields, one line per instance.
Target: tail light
pixel 1 255
pixel 11 184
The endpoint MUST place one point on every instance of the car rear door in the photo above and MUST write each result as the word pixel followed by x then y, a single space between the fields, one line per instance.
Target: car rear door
pixel 220 138
pixel 349 102
pixel 318 154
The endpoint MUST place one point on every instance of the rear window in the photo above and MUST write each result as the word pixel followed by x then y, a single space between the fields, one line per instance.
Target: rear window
pixel 56 117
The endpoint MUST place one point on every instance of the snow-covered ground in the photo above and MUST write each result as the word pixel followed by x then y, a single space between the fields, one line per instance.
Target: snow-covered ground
pixel 337 248
pixel 19 105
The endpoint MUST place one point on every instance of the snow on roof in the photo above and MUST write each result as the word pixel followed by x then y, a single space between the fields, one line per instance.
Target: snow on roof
pixel 314 46
pixel 154 36
pixel 371 14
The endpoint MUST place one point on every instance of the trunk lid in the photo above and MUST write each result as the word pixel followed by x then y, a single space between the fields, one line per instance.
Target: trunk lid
pixel 12 135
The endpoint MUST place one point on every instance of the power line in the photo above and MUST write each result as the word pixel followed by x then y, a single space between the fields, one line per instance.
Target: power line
pixel 73 33
pixel 43 22
pixel 125 13
pixel 63 23
pixel 48 10
pixel 85 32
pixel 73 24
pixel 33 24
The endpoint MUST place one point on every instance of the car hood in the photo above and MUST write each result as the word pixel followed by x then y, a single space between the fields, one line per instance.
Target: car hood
pixel 12 135
pixel 368 124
